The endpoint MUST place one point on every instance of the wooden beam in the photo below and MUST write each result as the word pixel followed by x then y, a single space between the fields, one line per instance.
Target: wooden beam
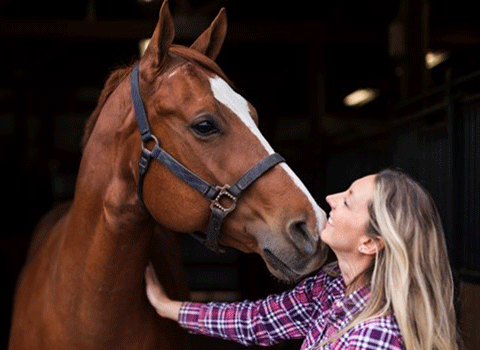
pixel 451 37
pixel 256 31
pixel 75 29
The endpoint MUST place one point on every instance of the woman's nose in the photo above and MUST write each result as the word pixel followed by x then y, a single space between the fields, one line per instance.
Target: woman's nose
pixel 330 200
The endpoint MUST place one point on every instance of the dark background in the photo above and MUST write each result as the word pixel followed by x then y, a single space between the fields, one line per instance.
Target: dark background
pixel 295 62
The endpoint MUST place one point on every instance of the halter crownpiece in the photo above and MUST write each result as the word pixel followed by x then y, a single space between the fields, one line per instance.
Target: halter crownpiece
pixel 223 198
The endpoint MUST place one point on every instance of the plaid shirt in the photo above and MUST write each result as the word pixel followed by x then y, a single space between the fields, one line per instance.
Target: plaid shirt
pixel 315 310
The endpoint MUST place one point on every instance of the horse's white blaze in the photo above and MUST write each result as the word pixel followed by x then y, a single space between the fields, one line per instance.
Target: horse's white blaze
pixel 238 105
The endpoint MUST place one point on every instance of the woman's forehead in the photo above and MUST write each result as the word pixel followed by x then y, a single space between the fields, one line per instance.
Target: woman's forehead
pixel 362 189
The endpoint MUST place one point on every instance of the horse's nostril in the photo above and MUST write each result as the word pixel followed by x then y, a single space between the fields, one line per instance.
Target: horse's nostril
pixel 302 237
pixel 300 229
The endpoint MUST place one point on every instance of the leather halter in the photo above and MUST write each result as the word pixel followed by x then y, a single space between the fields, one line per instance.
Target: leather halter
pixel 216 194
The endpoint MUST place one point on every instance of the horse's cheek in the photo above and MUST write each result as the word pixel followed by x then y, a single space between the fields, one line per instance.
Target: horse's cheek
pixel 180 212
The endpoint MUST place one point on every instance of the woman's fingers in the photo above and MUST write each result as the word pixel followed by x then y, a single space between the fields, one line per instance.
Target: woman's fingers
pixel 157 297
pixel 155 292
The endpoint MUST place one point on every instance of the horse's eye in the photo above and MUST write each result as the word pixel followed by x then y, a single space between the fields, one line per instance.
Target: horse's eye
pixel 205 128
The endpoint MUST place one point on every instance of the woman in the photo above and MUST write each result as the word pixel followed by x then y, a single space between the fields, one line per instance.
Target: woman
pixel 390 288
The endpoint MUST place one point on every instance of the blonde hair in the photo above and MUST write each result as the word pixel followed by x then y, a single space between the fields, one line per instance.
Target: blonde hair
pixel 411 276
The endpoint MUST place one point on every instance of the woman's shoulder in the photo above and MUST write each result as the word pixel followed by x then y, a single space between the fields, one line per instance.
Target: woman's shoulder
pixel 379 332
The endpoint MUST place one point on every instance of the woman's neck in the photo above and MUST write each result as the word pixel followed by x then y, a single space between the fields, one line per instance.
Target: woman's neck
pixel 354 272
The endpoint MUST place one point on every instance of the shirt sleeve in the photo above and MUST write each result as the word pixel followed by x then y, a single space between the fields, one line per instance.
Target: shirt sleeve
pixel 263 322
pixel 376 336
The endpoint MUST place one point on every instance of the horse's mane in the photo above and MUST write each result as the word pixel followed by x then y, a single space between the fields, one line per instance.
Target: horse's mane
pixel 118 75
pixel 114 79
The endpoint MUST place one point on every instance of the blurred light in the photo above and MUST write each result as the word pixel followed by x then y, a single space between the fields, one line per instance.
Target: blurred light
pixel 433 59
pixel 360 97
pixel 142 45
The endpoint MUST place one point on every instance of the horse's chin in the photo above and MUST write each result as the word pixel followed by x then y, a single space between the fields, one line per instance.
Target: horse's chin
pixel 280 269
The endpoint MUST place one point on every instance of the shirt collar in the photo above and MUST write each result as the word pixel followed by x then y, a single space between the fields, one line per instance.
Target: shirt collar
pixel 356 300
pixel 345 307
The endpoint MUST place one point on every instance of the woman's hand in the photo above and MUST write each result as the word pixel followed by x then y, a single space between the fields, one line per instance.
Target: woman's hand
pixel 156 295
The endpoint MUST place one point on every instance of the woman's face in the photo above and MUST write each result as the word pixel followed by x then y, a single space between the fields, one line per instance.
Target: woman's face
pixel 346 226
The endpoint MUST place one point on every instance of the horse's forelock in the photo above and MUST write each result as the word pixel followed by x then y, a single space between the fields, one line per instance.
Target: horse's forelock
pixel 196 57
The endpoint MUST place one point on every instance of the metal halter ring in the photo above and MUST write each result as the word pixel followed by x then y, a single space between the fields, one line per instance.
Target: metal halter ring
pixel 224 192
pixel 144 142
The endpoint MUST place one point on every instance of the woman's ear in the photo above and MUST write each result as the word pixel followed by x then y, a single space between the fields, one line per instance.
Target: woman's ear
pixel 371 245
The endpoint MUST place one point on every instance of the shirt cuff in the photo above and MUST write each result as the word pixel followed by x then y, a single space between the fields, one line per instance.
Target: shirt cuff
pixel 189 315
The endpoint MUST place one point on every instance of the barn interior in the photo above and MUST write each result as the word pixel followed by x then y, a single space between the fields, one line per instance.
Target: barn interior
pixel 343 89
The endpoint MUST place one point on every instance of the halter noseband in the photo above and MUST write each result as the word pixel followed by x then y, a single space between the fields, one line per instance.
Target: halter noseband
pixel 215 194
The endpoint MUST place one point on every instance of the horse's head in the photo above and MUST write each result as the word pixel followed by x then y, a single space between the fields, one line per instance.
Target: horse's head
pixel 212 130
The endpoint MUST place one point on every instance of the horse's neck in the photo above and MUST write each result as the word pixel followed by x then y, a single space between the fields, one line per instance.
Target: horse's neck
pixel 108 232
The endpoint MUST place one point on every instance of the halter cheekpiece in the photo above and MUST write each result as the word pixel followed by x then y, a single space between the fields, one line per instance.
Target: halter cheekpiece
pixel 223 198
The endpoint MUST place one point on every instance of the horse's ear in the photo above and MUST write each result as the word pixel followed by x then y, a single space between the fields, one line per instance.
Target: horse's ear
pixel 211 40
pixel 162 37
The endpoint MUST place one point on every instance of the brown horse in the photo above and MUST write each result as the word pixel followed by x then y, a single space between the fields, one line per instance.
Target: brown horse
pixel 82 286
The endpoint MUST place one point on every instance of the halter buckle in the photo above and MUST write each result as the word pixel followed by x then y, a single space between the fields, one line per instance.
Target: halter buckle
pixel 224 194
